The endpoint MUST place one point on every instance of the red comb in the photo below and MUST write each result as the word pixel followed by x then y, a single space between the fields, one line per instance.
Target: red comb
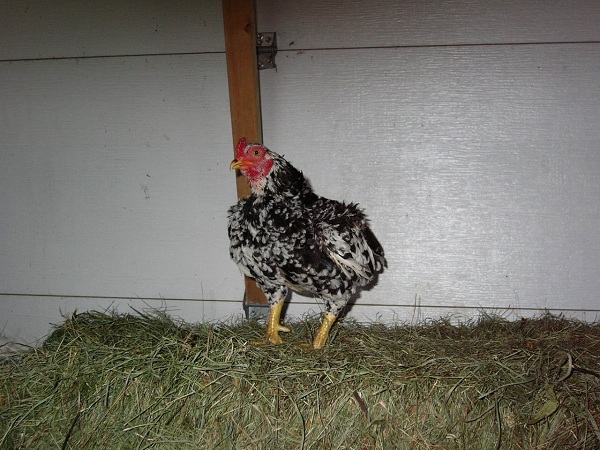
pixel 240 147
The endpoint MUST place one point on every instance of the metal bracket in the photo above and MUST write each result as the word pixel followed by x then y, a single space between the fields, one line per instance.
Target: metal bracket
pixel 256 311
pixel 266 49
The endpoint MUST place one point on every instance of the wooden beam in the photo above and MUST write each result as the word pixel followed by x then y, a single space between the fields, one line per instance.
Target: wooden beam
pixel 239 19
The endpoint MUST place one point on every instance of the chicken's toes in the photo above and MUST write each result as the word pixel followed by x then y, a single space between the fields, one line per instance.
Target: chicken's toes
pixel 272 337
pixel 306 347
pixel 275 340
pixel 258 343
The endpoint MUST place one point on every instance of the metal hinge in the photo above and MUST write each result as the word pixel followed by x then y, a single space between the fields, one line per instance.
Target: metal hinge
pixel 266 49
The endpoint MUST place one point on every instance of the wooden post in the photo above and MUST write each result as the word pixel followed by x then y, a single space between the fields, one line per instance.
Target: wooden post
pixel 239 19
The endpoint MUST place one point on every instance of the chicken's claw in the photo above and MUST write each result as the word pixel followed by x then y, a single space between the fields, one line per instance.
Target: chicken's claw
pixel 273 327
pixel 323 333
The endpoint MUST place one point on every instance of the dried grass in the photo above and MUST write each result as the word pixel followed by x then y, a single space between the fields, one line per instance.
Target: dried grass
pixel 108 381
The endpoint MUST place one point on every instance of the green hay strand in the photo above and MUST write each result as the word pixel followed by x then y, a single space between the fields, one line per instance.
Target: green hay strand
pixel 110 381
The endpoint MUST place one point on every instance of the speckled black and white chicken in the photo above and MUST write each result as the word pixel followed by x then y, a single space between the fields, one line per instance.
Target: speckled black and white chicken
pixel 286 237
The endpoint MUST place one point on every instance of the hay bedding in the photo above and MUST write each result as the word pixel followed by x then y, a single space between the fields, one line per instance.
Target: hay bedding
pixel 108 381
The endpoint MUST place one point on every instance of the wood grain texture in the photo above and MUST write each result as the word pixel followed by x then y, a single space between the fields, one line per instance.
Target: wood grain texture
pixel 71 28
pixel 478 166
pixel 309 24
pixel 242 72
pixel 239 21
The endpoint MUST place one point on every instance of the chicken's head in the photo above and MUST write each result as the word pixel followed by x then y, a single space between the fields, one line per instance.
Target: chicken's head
pixel 254 161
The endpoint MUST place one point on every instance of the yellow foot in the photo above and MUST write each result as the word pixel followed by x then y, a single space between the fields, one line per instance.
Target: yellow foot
pixel 322 334
pixel 273 326
pixel 272 336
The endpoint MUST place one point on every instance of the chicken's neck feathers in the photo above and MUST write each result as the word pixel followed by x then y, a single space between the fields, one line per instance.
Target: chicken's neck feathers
pixel 284 181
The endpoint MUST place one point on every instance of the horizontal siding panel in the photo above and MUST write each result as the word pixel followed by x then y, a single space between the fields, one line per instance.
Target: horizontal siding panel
pixel 29 319
pixel 74 28
pixel 478 163
pixel 114 178
pixel 309 24
pixel 479 166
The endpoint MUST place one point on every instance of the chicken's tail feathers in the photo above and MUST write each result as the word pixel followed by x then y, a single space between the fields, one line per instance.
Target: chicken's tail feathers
pixel 376 249
pixel 355 251
pixel 349 266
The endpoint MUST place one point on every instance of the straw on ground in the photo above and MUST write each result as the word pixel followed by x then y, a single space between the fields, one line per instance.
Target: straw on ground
pixel 107 381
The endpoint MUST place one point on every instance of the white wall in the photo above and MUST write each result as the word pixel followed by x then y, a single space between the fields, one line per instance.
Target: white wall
pixel 467 130
pixel 114 173
pixel 469 133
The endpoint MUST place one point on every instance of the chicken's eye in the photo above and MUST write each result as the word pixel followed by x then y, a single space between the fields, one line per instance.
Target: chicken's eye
pixel 256 152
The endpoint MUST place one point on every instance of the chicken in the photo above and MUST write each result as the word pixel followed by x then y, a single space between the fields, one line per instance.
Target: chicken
pixel 286 237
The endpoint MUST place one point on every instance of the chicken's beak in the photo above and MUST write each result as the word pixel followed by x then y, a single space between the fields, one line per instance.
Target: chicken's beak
pixel 235 164
pixel 240 164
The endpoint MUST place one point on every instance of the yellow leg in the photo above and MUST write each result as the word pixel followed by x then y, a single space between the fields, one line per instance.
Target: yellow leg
pixel 323 333
pixel 273 326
